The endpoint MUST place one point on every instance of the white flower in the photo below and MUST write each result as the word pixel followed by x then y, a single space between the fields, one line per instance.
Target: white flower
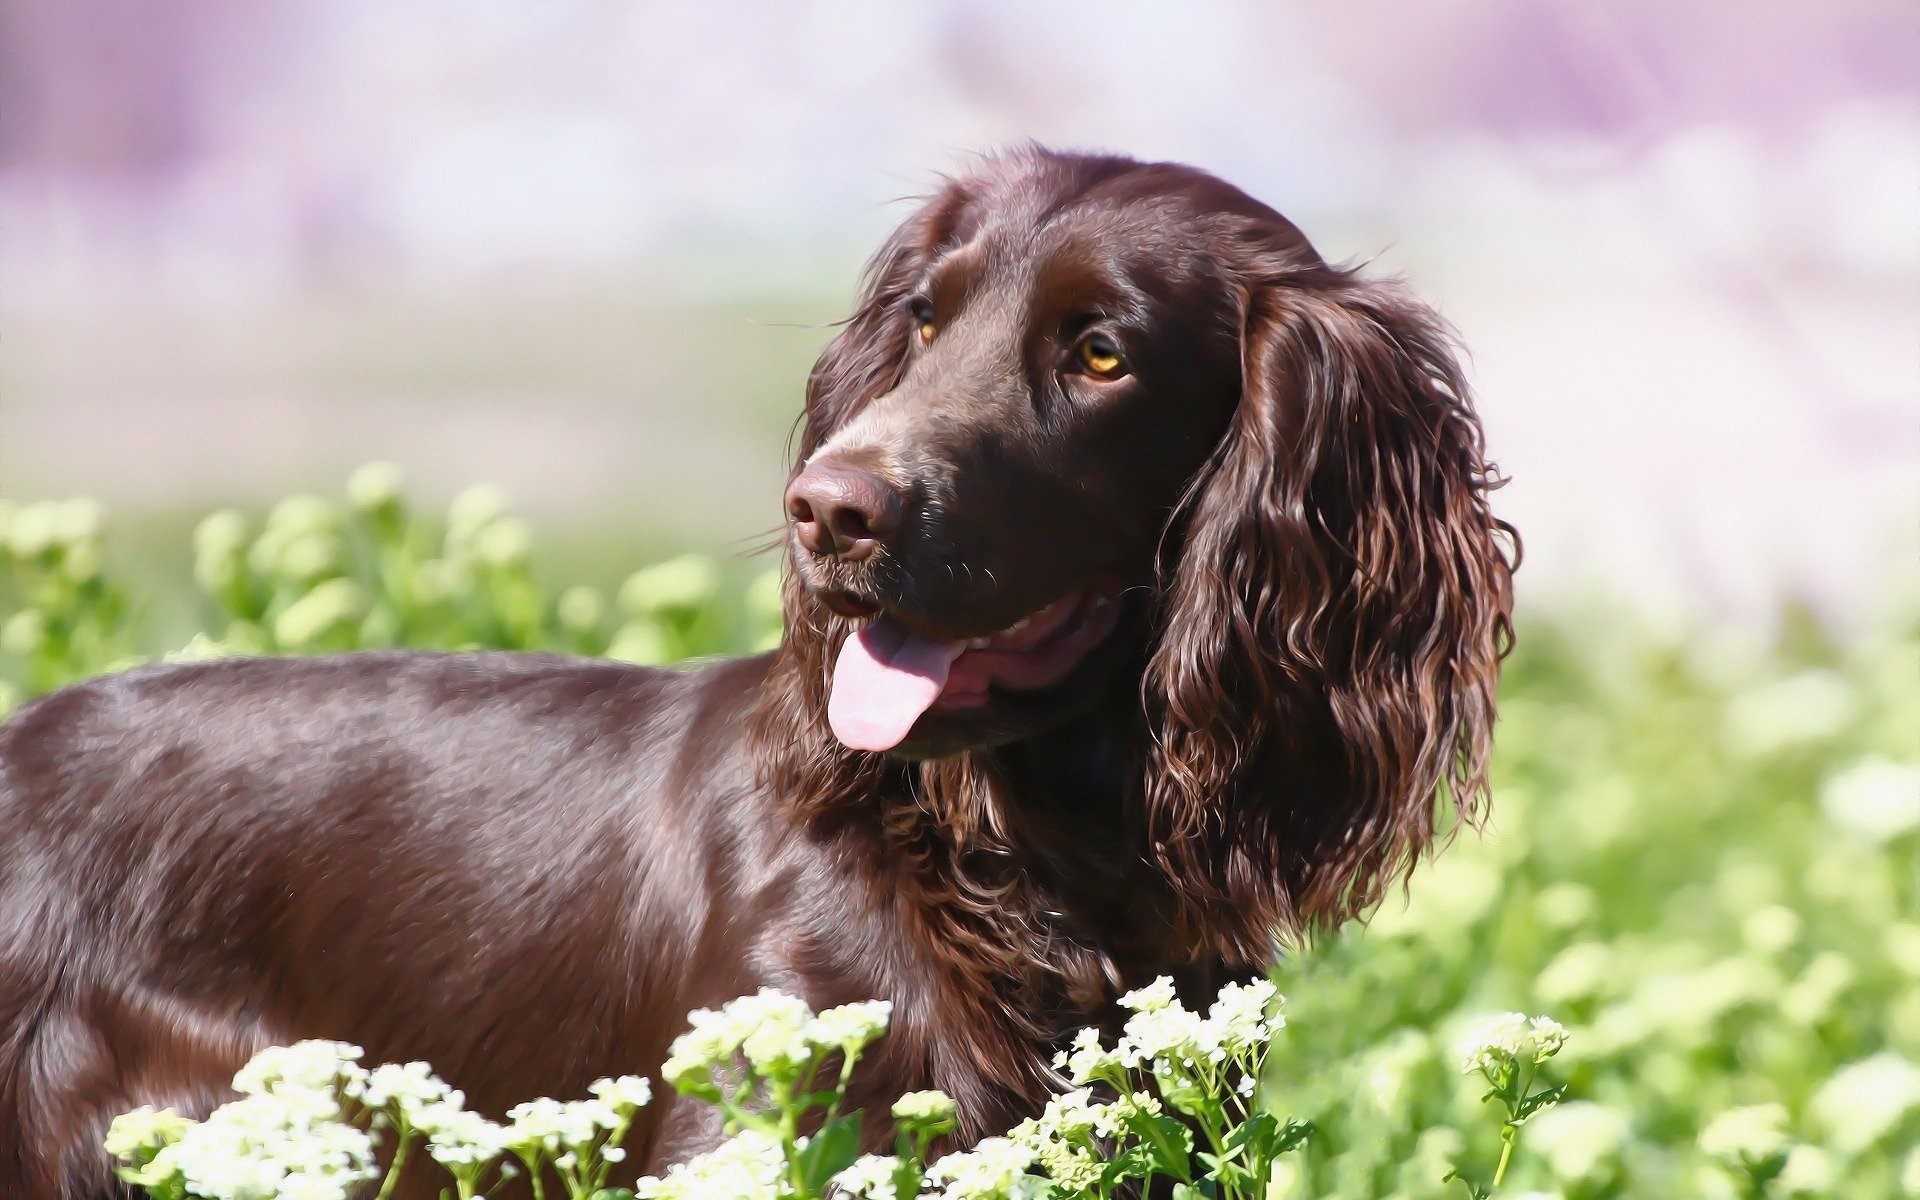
pixel 461 1140
pixel 1167 1032
pixel 1087 1059
pixel 869 1177
pixel 313 1065
pixel 624 1094
pixel 1151 998
pixel 1241 1019
pixel 560 1125
pixel 1110 1120
pixel 1060 1139
pixel 746 1167
pixel 1808 1171
pixel 1071 1114
pixel 1866 1100
pixel 1492 1042
pixel 286 1142
pixel 924 1108
pixel 989 1171
pixel 1579 1140
pixel 1548 1035
pixel 850 1027
pixel 1744 1137
pixel 770 1028
pixel 135 1135
pixel 1877 799
pixel 412 1091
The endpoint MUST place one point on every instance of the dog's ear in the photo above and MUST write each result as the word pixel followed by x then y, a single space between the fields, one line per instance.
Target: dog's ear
pixel 866 358
pixel 1334 621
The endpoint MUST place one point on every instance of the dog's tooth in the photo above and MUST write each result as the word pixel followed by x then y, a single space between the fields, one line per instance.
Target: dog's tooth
pixel 979 643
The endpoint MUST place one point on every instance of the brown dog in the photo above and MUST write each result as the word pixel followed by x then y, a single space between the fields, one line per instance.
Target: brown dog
pixel 1144 596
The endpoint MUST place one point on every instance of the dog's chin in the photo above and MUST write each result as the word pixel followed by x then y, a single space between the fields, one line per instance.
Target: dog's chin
pixel 1004 715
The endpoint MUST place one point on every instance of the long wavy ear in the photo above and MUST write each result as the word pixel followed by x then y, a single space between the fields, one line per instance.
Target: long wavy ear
pixel 799 759
pixel 1335 620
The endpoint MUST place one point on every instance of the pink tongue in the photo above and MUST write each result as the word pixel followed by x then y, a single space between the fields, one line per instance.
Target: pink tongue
pixel 886 677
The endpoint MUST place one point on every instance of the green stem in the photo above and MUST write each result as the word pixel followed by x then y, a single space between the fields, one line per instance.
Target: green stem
pixel 789 1137
pixel 399 1160
pixel 533 1164
pixel 1508 1135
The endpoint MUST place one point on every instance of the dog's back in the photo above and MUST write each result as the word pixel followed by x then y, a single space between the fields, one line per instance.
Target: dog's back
pixel 401 850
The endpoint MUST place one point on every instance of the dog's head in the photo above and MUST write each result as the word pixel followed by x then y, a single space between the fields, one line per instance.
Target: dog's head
pixel 1105 426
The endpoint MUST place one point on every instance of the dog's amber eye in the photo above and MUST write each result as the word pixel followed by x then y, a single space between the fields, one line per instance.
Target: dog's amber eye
pixel 922 310
pixel 1101 356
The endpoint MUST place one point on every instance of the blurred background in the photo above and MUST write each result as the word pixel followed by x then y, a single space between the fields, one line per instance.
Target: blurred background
pixel 587 249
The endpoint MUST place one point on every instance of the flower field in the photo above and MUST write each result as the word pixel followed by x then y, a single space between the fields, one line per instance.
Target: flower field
pixel 1703 861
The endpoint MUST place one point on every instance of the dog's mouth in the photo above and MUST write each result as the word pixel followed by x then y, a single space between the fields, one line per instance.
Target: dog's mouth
pixel 889 675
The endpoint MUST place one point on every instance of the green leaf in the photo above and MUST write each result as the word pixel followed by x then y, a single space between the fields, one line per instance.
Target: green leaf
pixel 1133 1163
pixel 1539 1100
pixel 907 1178
pixel 1168 1142
pixel 829 1152
pixel 1293 1136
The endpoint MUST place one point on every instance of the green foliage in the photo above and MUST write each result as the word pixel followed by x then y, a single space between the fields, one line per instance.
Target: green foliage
pixel 1704 854
pixel 318 576
pixel 1704 858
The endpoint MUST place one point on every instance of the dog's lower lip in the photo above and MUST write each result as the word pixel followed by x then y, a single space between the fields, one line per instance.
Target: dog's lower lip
pixel 846 604
pixel 1062 635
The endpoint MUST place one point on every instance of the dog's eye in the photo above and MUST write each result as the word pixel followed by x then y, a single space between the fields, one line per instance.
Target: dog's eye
pixel 922 310
pixel 1101 356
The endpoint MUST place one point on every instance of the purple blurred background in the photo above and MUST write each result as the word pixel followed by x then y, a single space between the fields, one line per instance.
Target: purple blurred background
pixel 584 249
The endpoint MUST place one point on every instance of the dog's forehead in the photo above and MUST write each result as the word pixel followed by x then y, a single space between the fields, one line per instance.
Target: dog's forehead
pixel 1088 251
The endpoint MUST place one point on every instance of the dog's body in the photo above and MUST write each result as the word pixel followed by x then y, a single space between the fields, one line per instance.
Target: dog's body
pixel 1240 499
pixel 224 857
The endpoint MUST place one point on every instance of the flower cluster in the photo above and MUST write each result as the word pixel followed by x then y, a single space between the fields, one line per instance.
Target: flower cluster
pixel 1163 1035
pixel 311 1120
pixel 287 1136
pixel 1495 1043
pixel 993 1170
pixel 777 1035
pixel 751 1165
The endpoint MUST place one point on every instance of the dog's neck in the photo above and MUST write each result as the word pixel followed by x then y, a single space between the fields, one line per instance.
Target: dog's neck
pixel 1080 769
pixel 1012 877
pixel 1044 826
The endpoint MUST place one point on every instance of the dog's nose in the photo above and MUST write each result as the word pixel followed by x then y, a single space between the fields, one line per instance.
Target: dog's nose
pixel 841 511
